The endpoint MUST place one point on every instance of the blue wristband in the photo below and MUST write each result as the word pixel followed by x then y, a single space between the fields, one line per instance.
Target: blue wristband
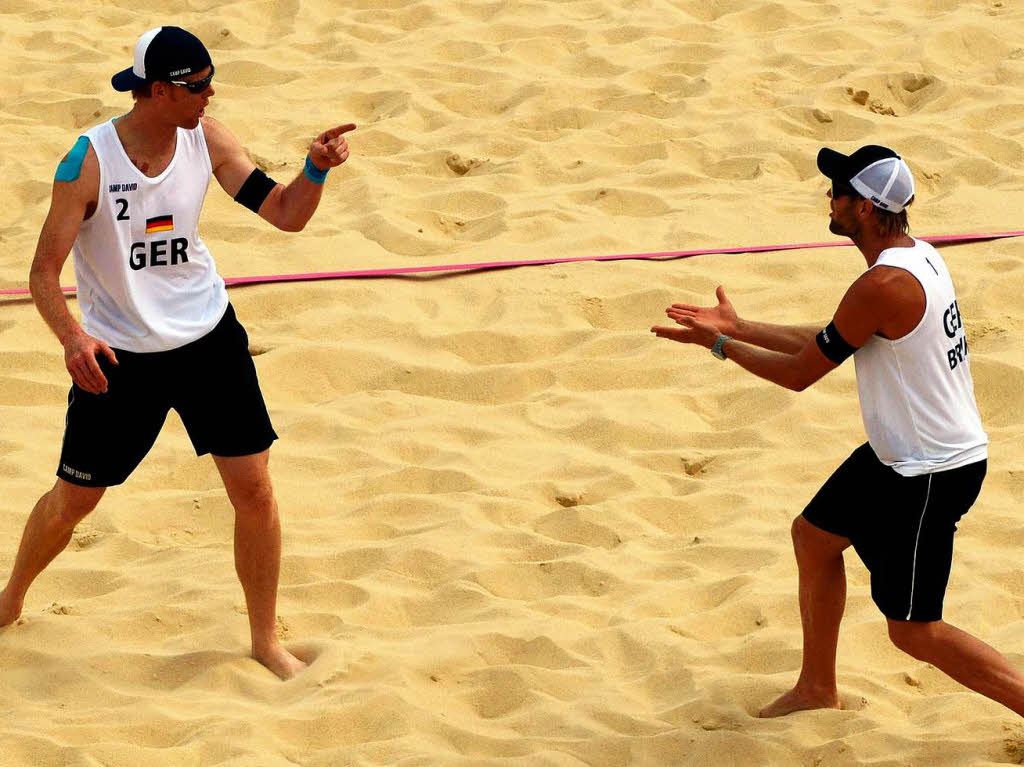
pixel 313 173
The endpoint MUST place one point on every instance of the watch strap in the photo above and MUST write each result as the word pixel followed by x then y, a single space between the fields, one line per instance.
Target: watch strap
pixel 719 348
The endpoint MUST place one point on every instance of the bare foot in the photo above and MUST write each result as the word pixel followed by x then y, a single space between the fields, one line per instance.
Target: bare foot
pixel 8 612
pixel 800 700
pixel 280 661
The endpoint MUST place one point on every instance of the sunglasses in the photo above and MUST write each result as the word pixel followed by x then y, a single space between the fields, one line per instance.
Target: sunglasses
pixel 196 86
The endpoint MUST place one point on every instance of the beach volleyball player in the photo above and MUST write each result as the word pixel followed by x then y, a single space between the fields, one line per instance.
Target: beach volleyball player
pixel 157 329
pixel 897 499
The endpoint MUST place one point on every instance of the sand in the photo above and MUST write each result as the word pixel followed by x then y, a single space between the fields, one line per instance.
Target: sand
pixel 518 529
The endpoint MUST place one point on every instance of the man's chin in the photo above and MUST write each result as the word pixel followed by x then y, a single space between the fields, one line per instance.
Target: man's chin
pixel 836 229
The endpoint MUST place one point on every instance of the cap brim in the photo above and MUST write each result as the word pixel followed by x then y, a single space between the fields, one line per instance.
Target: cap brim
pixel 126 79
pixel 834 165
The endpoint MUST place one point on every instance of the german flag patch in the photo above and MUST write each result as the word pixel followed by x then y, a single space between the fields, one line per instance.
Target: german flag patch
pixel 159 224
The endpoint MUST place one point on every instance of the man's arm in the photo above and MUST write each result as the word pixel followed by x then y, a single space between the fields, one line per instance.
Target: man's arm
pixel 792 371
pixel 873 302
pixel 71 203
pixel 289 207
pixel 780 338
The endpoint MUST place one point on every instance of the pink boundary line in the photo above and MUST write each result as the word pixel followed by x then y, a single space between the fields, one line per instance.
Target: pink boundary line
pixel 487 265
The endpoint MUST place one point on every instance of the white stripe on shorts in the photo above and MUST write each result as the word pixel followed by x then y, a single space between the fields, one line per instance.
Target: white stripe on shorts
pixel 917 540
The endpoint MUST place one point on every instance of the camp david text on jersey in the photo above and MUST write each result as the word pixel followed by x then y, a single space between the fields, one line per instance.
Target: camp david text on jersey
pixel 146 280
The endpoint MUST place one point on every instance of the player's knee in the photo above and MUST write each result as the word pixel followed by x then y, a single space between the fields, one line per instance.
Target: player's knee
pixel 255 501
pixel 71 504
pixel 815 546
pixel 915 638
pixel 803 543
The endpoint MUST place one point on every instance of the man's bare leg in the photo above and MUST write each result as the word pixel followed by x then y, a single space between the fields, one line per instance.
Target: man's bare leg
pixel 47 532
pixel 819 557
pixel 966 658
pixel 258 555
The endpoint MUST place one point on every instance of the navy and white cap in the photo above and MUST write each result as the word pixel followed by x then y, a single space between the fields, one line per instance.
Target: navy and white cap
pixel 163 53
pixel 875 172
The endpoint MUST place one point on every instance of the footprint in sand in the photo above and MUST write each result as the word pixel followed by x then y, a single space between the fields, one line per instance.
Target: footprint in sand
pixel 592 308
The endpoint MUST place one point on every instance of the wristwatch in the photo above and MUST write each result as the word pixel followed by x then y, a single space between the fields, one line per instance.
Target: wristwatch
pixel 718 349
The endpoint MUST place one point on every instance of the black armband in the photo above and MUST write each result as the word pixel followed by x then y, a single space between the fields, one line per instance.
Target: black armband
pixel 255 190
pixel 833 345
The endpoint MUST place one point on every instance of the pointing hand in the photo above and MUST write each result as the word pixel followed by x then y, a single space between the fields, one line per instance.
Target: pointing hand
pixel 330 149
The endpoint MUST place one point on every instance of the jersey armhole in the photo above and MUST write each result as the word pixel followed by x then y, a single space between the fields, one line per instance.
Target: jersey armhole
pixel 100 197
pixel 201 132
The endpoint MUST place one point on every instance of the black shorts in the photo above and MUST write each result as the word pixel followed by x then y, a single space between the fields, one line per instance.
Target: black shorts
pixel 210 382
pixel 901 527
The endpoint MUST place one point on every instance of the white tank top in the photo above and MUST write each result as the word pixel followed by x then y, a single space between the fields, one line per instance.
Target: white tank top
pixel 146 282
pixel 916 393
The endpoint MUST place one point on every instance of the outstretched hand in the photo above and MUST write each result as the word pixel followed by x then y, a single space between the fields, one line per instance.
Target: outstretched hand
pixel 723 316
pixel 699 325
pixel 692 331
pixel 330 149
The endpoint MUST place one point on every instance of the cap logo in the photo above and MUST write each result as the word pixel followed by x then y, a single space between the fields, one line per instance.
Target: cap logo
pixel 876 201
pixel 177 72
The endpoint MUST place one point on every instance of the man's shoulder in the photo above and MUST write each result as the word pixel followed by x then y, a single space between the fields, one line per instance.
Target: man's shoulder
pixel 220 141
pixel 215 130
pixel 78 172
pixel 884 284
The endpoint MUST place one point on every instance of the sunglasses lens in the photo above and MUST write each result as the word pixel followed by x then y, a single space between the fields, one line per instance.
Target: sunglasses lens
pixel 198 86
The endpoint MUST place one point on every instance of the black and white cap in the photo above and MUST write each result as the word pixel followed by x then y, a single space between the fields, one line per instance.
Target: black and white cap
pixel 163 53
pixel 875 172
